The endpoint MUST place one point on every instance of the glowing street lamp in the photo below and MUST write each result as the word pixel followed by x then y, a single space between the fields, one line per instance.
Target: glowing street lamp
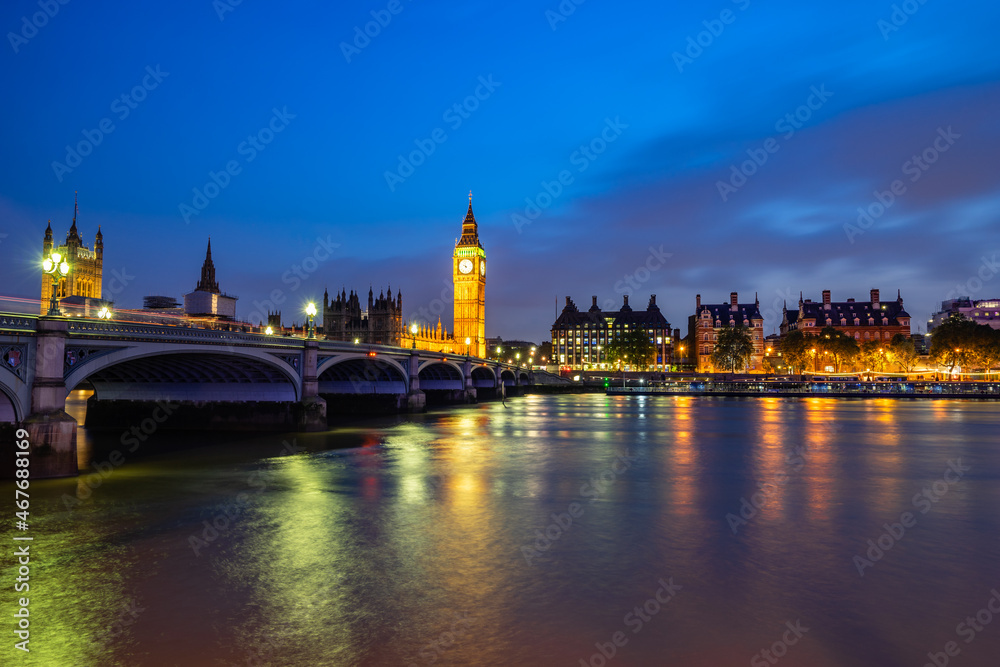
pixel 269 331
pixel 468 342
pixel 311 312
pixel 413 332
pixel 55 266
pixel 104 313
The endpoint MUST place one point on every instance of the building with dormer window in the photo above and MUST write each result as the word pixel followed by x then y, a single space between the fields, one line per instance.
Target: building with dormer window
pixel 85 265
pixel 873 320
pixel 580 338
pixel 708 319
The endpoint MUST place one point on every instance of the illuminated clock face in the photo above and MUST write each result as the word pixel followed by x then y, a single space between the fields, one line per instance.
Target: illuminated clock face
pixel 482 268
pixel 465 266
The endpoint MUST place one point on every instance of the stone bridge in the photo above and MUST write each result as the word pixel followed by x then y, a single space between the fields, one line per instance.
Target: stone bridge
pixel 216 379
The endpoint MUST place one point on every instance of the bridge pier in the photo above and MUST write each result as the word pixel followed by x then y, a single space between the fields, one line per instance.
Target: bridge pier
pixel 51 431
pixel 469 394
pixel 310 412
pixel 416 400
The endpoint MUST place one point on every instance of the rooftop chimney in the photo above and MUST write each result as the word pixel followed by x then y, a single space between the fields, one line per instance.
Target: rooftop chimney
pixel 593 301
pixel 826 299
pixel 875 303
pixel 697 300
pixel 733 300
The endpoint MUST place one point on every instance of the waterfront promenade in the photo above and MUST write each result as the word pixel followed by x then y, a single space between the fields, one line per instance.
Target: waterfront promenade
pixel 830 389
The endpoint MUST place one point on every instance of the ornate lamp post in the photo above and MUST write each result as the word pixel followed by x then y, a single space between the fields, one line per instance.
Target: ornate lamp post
pixel 269 331
pixel 413 332
pixel 311 312
pixel 104 313
pixel 468 342
pixel 55 266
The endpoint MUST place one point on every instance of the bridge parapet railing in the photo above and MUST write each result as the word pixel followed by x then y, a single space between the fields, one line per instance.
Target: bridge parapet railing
pixel 126 331
pixel 13 322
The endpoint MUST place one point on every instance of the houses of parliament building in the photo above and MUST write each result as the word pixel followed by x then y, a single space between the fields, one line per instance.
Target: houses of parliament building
pixel 86 265
pixel 383 324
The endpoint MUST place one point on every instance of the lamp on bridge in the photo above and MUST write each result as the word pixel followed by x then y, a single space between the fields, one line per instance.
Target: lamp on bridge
pixel 269 331
pixel 413 331
pixel 311 312
pixel 55 266
pixel 104 313
pixel 468 342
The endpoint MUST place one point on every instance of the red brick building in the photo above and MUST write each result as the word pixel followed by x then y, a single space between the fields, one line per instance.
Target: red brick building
pixel 872 320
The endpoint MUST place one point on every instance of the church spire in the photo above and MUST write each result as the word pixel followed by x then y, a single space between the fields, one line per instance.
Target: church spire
pixel 470 229
pixel 207 282
pixel 73 233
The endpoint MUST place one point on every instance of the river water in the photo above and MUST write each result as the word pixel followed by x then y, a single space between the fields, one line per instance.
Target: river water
pixel 559 530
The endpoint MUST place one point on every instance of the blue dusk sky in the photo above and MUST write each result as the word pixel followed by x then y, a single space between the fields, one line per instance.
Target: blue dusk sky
pixel 612 148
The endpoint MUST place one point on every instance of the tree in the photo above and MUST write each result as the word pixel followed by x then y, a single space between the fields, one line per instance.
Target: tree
pixel 631 347
pixel 733 347
pixel 954 342
pixel 987 347
pixel 795 349
pixel 841 348
pixel 903 351
pixel 873 355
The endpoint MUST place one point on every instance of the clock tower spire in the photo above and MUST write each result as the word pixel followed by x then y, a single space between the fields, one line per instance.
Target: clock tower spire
pixel 469 276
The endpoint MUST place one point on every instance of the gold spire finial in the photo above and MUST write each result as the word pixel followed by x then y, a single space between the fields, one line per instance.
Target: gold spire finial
pixel 470 196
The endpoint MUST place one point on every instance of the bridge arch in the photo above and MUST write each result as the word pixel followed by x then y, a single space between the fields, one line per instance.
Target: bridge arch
pixel 198 373
pixel 436 375
pixel 508 378
pixel 483 377
pixel 10 408
pixel 361 374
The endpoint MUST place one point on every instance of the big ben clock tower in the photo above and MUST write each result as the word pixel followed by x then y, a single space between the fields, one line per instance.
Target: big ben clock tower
pixel 469 275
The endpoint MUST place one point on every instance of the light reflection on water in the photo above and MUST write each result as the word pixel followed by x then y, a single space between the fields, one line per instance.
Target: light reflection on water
pixel 409 546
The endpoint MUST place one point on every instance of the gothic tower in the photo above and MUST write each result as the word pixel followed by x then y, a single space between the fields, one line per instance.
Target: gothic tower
pixel 85 265
pixel 208 282
pixel 469 275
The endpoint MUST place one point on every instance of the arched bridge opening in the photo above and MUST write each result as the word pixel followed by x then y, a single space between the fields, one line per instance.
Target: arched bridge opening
pixel 360 385
pixel 199 389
